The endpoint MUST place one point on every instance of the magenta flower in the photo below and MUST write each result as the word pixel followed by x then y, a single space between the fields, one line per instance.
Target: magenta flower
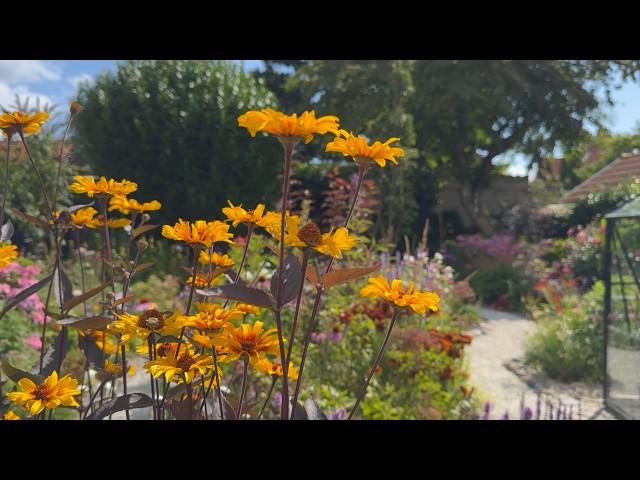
pixel 34 342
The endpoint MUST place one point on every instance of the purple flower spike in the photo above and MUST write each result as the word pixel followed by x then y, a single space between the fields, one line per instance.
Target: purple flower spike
pixel 338 415
pixel 527 414
pixel 487 411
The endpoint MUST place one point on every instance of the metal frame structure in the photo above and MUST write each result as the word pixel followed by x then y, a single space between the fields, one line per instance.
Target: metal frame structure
pixel 617 258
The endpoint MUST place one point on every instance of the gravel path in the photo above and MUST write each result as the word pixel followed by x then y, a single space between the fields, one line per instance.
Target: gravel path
pixel 496 353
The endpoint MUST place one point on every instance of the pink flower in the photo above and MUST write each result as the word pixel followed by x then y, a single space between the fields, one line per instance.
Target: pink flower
pixel 38 316
pixel 34 342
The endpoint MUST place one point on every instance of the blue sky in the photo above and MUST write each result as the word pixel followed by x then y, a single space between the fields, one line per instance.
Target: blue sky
pixel 55 81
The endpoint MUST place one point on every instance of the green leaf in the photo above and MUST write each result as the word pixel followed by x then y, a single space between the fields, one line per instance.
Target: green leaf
pixel 241 293
pixel 67 288
pixel 291 281
pixel 72 302
pixel 27 292
pixel 15 374
pixel 91 351
pixel 129 401
pixel 312 410
pixel 143 229
pixel 6 232
pixel 36 221
pixel 54 355
pixel 336 277
pixel 87 323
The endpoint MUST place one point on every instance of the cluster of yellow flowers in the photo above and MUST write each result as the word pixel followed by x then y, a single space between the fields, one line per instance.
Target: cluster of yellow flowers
pixel 184 359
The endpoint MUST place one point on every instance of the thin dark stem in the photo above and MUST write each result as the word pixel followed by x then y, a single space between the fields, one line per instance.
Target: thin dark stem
pixel 273 384
pixel 305 260
pixel 46 307
pixel 245 374
pixel 124 375
pixel 244 257
pixel 375 364
pixel 361 172
pixel 64 137
pixel 320 292
pixel 288 154
pixel 314 313
pixel 5 190
pixel 81 260
pixel 44 322
pixel 153 390
pixel 190 395
pixel 284 411
pixel 92 399
pixel 214 377
pixel 194 271
pixel 246 249
pixel 107 241
pixel 84 373
pixel 35 168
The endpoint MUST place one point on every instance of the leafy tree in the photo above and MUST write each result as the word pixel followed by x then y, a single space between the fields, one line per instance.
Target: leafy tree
pixel 468 113
pixel 460 116
pixel 171 126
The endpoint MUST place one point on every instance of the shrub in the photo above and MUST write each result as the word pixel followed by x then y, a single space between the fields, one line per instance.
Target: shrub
pixel 501 286
pixel 568 342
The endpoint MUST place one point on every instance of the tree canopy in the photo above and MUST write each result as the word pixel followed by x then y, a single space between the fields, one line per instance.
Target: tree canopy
pixel 460 115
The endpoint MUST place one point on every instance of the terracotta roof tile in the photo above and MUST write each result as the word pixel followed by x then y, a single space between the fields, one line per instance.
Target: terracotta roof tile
pixel 621 170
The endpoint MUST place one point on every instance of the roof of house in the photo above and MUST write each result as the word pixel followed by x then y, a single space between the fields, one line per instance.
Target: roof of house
pixel 619 171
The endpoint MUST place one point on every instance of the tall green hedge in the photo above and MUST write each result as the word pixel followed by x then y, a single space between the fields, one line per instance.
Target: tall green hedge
pixel 171 126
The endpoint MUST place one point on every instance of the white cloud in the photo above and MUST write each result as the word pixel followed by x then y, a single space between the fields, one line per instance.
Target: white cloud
pixel 8 95
pixel 83 77
pixel 28 71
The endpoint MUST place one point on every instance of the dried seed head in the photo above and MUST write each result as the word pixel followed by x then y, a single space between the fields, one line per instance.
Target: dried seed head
pixel 151 320
pixel 310 234
pixel 75 108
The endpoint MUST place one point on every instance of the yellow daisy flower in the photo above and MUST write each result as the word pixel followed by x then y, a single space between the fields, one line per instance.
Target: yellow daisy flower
pixel 332 243
pixel 86 217
pixel 237 215
pixel 202 281
pixel 162 349
pixel 248 340
pixel 113 370
pixel 14 122
pixel 89 186
pixel 8 253
pixel 272 368
pixel 358 148
pixel 187 366
pixel 218 260
pixel 288 126
pixel 210 317
pixel 11 416
pixel 142 325
pixel 51 394
pixel 102 341
pixel 126 205
pixel 198 233
pixel 418 301
pixel 247 309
